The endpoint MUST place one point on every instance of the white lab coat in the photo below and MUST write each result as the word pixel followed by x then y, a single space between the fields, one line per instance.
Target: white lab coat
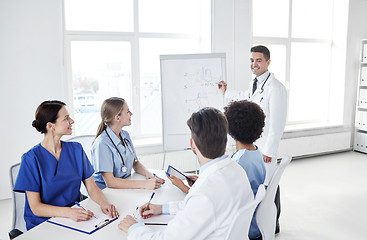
pixel 208 208
pixel 273 101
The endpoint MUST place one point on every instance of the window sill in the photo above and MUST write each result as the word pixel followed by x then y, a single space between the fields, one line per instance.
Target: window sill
pixel 152 145
pixel 311 129
pixel 148 145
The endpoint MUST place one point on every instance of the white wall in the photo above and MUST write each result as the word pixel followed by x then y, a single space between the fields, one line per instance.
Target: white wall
pixel 232 34
pixel 31 71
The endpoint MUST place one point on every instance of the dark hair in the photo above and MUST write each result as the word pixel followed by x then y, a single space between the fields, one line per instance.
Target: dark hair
pixel 261 49
pixel 209 129
pixel 109 109
pixel 46 112
pixel 245 121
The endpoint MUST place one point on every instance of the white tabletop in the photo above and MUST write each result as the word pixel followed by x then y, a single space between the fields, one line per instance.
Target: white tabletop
pixel 125 200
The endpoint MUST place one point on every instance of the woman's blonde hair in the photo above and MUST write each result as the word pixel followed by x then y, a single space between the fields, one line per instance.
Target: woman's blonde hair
pixel 109 109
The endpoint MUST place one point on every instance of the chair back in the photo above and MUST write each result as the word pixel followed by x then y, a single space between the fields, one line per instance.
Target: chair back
pixel 86 142
pixel 267 212
pixel 18 201
pixel 240 224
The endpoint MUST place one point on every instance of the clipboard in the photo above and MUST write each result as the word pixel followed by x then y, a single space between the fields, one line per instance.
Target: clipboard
pixel 90 226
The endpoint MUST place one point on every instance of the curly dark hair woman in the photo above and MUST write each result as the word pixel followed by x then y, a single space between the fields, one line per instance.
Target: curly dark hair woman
pixel 245 120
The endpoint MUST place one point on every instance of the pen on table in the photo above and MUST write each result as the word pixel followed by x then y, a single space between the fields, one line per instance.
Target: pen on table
pixel 84 208
pixel 151 197
pixel 261 99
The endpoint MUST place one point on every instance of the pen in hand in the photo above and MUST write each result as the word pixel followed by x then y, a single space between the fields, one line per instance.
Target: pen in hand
pixel 78 204
pixel 151 197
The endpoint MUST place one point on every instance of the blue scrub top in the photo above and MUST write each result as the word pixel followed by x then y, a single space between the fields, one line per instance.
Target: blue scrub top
pixel 105 157
pixel 252 162
pixel 58 182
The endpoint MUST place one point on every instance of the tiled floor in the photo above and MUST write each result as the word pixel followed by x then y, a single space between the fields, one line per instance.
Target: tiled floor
pixel 322 197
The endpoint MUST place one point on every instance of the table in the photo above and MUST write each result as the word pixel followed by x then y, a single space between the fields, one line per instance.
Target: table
pixel 125 200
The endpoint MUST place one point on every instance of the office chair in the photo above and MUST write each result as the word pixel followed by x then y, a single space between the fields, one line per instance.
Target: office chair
pixel 267 212
pixel 86 142
pixel 240 224
pixel 18 225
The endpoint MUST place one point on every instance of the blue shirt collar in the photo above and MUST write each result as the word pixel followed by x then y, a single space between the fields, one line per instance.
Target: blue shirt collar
pixel 262 77
pixel 237 155
pixel 208 164
pixel 113 136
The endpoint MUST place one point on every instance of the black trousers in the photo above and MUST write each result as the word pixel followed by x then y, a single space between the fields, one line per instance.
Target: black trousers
pixel 277 204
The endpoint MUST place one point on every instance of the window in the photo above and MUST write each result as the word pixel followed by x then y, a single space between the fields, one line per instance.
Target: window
pixel 113 49
pixel 302 42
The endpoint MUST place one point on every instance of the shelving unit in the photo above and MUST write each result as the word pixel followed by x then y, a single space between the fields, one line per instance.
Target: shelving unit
pixel 360 137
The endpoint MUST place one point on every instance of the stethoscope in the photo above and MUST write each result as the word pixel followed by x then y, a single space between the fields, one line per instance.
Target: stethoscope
pixel 126 142
pixel 262 87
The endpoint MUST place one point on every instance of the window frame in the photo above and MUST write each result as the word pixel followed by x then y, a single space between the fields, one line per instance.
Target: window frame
pixel 287 42
pixel 133 38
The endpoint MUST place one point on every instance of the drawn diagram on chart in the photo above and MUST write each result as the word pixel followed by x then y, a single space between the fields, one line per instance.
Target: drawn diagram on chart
pixel 189 83
pixel 198 89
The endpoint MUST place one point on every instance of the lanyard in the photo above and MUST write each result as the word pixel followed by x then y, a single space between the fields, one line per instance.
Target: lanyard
pixel 262 86
pixel 126 142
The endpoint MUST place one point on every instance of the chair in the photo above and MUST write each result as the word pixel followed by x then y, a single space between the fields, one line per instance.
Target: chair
pixel 18 225
pixel 240 224
pixel 267 212
pixel 86 142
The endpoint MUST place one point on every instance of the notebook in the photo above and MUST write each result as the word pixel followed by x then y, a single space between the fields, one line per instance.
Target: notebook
pixel 162 219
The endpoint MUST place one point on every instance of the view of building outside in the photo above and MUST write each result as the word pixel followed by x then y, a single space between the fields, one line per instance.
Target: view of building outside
pixel 110 59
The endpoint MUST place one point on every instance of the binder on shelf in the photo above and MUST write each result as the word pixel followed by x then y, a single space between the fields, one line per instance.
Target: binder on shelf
pixel 359 143
pixel 359 120
pixel 363 121
pixel 364 58
pixel 364 76
pixel 362 103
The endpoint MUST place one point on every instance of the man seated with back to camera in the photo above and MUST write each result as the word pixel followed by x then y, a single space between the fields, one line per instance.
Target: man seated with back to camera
pixel 221 189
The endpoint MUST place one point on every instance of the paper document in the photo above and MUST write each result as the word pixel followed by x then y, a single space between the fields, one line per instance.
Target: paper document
pixel 89 226
pixel 162 219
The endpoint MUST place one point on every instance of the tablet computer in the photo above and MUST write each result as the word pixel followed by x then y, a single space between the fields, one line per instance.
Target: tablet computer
pixel 174 172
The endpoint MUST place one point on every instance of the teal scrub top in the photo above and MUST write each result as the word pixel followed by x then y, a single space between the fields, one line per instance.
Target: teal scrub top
pixel 105 157
pixel 252 162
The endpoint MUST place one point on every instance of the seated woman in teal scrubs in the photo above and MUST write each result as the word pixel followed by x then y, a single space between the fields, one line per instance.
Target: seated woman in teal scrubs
pixel 51 172
pixel 246 121
pixel 113 154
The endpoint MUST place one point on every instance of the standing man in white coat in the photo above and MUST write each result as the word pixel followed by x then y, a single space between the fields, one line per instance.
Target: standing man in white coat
pixel 271 95
pixel 216 196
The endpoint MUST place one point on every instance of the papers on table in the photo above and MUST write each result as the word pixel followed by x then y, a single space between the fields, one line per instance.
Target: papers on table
pixel 88 227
